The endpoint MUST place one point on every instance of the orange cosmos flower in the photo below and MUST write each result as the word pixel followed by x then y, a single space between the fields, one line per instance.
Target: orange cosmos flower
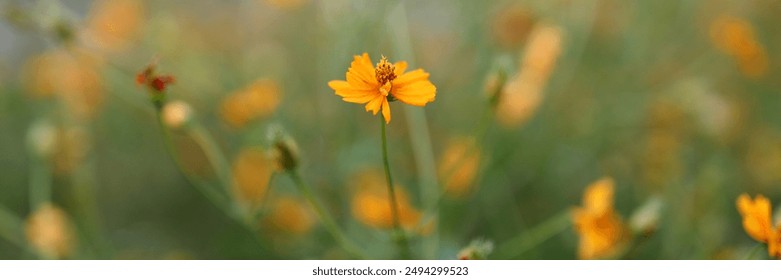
pixel 377 86
pixel 757 222
pixel 50 232
pixel 601 230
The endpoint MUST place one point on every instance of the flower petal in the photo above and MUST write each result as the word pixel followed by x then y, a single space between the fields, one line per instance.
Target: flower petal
pixel 386 113
pixel 361 72
pixel 756 217
pixel 418 93
pixel 399 68
pixel 375 104
pixel 352 94
pixel 410 77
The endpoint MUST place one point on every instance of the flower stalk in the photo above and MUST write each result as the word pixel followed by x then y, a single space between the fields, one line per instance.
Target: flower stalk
pixel 399 236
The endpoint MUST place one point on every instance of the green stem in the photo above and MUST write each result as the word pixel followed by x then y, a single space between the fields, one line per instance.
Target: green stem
pixel 531 238
pixel 85 209
pixel 217 198
pixel 327 220
pixel 399 235
pixel 217 159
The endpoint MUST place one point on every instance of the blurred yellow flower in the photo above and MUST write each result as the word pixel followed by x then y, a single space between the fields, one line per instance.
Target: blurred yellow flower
pixel 758 224
pixel 523 93
pixel 601 230
pixel 512 25
pixel 113 24
pixel 290 215
pixel 69 74
pixel 458 166
pixel 252 171
pixel 50 232
pixel 376 87
pixel 371 205
pixel 735 36
pixel 258 100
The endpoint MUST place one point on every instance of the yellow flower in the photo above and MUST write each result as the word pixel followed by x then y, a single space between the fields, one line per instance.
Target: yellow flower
pixel 50 232
pixel 600 229
pixel 290 215
pixel 113 24
pixel 376 87
pixel 757 222
pixel 371 206
pixel 735 36
pixel 252 171
pixel 524 92
pixel 512 25
pixel 458 166
pixel 258 100
pixel 72 74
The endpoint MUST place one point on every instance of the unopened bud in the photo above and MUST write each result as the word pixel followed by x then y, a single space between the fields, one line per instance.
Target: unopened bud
pixel 42 138
pixel 284 149
pixel 177 114
pixel 496 80
pixel 478 249
pixel 646 217
pixel 494 84
pixel 156 84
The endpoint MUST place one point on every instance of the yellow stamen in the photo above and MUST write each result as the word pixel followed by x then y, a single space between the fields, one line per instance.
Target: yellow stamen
pixel 385 72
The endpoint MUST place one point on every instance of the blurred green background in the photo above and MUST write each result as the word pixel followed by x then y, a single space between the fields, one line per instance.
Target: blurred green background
pixel 675 100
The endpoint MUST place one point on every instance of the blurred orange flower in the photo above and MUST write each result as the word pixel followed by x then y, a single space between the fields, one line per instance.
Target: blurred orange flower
pixel 376 87
pixel 258 100
pixel 70 74
pixel 252 171
pixel 735 36
pixel 50 232
pixel 511 26
pixel 113 24
pixel 371 205
pixel 757 222
pixel 601 230
pixel 523 94
pixel 458 166
pixel 290 215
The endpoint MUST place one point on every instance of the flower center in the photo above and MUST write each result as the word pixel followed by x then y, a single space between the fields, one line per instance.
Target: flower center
pixel 385 72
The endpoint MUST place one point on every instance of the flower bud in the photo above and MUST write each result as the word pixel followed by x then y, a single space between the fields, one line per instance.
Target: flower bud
pixel 156 84
pixel 646 217
pixel 177 114
pixel 284 149
pixel 478 249
pixel 42 139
